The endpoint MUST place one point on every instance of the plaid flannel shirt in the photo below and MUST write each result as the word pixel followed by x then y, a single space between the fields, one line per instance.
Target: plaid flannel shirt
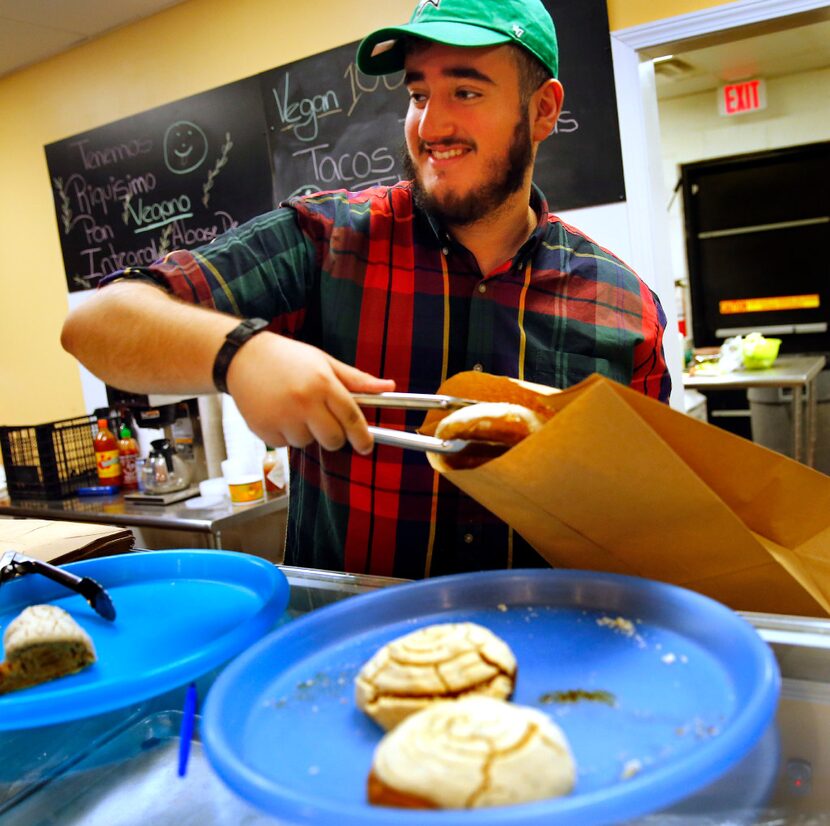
pixel 377 283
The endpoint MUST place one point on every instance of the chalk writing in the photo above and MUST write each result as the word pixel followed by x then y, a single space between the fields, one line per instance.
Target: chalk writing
pixel 159 213
pixel 184 236
pixel 84 197
pixel 108 155
pixel 106 259
pixel 93 232
pixel 360 83
pixel 301 117
pixel 102 257
pixel 367 169
pixel 566 123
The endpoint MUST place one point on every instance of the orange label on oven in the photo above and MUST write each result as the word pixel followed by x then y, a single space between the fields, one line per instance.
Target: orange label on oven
pixel 769 303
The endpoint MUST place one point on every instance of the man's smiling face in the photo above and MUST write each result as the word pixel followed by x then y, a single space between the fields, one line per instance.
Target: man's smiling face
pixel 467 136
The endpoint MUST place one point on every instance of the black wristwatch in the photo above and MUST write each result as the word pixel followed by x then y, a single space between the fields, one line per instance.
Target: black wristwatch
pixel 233 341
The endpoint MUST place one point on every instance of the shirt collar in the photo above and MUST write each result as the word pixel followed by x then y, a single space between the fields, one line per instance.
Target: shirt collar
pixel 538 203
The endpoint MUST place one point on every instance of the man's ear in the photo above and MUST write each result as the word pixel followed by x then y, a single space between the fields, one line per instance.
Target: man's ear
pixel 545 106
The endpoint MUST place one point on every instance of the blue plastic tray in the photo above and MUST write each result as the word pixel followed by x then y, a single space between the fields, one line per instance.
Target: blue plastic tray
pixel 693 689
pixel 179 614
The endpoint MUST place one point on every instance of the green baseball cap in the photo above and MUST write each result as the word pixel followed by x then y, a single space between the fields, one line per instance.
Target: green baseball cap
pixel 465 23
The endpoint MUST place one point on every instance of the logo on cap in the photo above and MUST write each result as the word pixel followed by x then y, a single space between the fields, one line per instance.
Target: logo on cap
pixel 518 30
pixel 424 3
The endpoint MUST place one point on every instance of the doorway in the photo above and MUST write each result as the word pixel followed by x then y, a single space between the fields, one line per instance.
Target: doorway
pixel 657 237
pixel 665 66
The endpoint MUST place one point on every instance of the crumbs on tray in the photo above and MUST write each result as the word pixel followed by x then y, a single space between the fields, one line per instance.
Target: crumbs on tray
pixel 631 768
pixel 620 624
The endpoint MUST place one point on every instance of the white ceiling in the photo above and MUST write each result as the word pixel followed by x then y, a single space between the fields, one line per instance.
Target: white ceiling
pixel 768 55
pixel 33 30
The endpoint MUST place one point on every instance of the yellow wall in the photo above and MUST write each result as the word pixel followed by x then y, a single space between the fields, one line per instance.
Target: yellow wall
pixel 194 46
pixel 625 13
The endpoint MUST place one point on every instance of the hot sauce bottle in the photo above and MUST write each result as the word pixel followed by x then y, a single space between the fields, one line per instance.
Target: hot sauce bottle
pixel 107 455
pixel 128 453
pixel 273 471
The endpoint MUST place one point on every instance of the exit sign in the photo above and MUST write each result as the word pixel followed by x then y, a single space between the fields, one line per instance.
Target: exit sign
pixel 743 97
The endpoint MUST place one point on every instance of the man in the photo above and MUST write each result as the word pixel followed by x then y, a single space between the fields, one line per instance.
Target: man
pixel 460 268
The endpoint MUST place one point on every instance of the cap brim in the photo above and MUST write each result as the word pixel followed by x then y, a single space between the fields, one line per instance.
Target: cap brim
pixel 381 52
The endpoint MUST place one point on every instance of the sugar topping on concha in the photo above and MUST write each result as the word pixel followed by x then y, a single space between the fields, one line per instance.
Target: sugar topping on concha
pixel 471 753
pixel 438 662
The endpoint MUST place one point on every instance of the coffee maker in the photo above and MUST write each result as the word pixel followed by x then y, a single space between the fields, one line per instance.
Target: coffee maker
pixel 180 421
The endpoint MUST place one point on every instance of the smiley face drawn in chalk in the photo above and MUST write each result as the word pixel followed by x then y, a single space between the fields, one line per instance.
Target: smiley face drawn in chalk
pixel 185 147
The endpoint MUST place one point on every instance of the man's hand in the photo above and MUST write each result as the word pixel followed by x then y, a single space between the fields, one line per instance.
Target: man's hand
pixel 288 392
pixel 291 393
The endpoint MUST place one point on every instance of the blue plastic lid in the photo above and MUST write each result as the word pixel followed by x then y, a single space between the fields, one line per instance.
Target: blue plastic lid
pixel 179 614
pixel 681 695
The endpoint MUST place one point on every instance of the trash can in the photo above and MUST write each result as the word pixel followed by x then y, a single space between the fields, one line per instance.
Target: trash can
pixel 771 412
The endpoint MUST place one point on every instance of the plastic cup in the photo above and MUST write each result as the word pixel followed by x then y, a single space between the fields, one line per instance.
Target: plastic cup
pixel 244 485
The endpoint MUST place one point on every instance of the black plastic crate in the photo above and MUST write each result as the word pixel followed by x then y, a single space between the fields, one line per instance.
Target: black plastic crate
pixel 49 461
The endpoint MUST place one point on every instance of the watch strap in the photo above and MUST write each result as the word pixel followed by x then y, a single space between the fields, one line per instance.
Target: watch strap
pixel 233 341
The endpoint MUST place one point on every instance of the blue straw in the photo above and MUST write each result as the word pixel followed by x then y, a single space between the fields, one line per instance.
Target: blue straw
pixel 186 733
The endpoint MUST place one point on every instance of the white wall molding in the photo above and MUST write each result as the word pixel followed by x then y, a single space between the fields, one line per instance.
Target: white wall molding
pixel 647 219
pixel 707 21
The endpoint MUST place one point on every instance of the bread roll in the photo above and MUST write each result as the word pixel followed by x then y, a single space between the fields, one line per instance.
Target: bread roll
pixel 483 387
pixel 507 411
pixel 491 427
pixel 42 643
pixel 438 662
pixel 490 421
pixel 471 753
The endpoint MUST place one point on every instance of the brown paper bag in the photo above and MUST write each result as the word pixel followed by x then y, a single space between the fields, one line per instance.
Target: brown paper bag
pixel 618 482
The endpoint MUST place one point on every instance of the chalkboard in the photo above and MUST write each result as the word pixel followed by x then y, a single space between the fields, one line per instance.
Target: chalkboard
pixel 176 176
pixel 172 177
pixel 580 165
pixel 330 126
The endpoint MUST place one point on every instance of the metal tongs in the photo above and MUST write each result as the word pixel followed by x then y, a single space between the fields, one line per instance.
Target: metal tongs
pixel 13 564
pixel 416 401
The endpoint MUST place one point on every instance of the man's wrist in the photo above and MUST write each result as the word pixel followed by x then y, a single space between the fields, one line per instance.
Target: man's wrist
pixel 240 334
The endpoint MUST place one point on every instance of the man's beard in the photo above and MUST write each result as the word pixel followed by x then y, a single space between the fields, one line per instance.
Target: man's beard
pixel 507 177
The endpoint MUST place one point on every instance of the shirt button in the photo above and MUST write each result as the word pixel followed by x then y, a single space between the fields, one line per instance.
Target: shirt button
pixel 478 367
pixel 468 538
pixel 482 288
pixel 445 251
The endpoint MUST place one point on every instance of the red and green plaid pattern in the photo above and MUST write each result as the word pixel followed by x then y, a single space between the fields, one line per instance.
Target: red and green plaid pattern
pixel 376 283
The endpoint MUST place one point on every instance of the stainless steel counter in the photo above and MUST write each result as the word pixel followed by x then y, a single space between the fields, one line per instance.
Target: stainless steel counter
pixel 120 769
pixel 799 373
pixel 113 510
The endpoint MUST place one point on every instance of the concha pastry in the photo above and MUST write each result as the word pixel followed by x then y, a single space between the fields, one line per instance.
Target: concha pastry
pixel 471 753
pixel 438 662
pixel 42 643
